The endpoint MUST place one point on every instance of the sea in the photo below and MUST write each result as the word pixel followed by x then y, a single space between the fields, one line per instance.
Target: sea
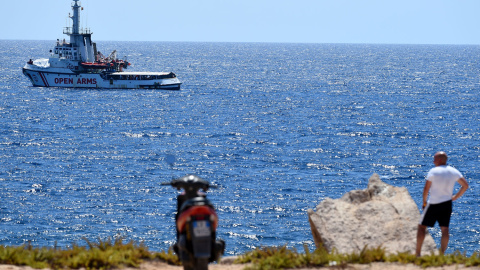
pixel 277 127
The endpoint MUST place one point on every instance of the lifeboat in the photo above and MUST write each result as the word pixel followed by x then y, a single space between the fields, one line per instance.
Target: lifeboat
pixel 94 65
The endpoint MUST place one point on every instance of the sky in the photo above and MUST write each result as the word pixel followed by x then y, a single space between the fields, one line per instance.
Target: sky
pixel 293 21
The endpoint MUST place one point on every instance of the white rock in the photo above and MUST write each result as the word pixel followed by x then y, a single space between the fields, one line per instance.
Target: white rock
pixel 381 215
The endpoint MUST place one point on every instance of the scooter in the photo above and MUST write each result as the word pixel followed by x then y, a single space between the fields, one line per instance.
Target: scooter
pixel 196 223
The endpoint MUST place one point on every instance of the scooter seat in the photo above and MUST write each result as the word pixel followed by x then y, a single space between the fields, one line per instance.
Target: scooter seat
pixel 197 201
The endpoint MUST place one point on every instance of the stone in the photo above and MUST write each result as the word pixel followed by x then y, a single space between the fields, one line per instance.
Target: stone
pixel 381 215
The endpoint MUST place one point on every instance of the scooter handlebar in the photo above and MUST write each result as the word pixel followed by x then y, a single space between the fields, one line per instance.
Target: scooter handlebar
pixel 189 181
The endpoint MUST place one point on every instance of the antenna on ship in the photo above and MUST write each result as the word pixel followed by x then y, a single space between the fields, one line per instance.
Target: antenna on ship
pixel 76 18
pixel 80 38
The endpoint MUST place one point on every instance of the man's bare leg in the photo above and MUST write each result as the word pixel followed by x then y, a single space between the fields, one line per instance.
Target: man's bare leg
pixel 421 231
pixel 444 241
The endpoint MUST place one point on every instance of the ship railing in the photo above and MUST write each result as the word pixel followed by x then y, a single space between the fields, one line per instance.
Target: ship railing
pixel 63 43
pixel 141 77
pixel 82 31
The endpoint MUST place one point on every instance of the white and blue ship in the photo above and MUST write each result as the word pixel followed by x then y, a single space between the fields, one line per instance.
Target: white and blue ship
pixel 77 63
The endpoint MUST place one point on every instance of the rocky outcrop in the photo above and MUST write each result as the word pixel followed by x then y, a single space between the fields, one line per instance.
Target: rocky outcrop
pixel 379 215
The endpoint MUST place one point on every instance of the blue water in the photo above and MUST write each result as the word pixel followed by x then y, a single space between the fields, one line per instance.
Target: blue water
pixel 279 127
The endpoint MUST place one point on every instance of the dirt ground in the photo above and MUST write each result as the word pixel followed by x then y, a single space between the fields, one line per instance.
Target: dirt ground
pixel 227 265
pixel 373 266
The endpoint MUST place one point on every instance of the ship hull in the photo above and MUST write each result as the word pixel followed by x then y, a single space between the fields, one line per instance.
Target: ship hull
pixel 45 78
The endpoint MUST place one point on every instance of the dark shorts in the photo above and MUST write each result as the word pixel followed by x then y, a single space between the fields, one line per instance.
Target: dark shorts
pixel 440 212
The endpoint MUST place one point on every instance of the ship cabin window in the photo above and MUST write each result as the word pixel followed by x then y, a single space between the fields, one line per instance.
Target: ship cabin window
pixel 142 77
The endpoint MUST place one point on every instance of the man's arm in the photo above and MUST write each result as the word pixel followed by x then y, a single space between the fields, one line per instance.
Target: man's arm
pixel 426 189
pixel 462 190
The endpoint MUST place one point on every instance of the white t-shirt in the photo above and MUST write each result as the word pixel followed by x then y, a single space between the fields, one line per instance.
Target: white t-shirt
pixel 443 180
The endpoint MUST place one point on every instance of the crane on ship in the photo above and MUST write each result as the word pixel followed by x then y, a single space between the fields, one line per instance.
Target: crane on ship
pixel 112 56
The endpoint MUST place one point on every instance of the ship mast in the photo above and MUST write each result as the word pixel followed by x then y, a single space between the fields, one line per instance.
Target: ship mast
pixel 76 18
pixel 80 38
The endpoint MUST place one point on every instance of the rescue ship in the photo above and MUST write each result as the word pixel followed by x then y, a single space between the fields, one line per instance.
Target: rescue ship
pixel 77 63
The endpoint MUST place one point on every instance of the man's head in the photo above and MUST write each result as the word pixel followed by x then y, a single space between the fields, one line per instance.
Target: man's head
pixel 440 158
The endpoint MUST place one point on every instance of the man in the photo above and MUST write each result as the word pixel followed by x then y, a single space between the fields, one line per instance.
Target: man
pixel 440 182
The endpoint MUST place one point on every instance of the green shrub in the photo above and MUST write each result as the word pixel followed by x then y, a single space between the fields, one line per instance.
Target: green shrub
pixel 168 257
pixel 116 254
pixel 281 258
pixel 102 255
pixel 473 260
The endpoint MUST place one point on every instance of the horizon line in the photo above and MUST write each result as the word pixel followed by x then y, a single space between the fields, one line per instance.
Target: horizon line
pixel 264 42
